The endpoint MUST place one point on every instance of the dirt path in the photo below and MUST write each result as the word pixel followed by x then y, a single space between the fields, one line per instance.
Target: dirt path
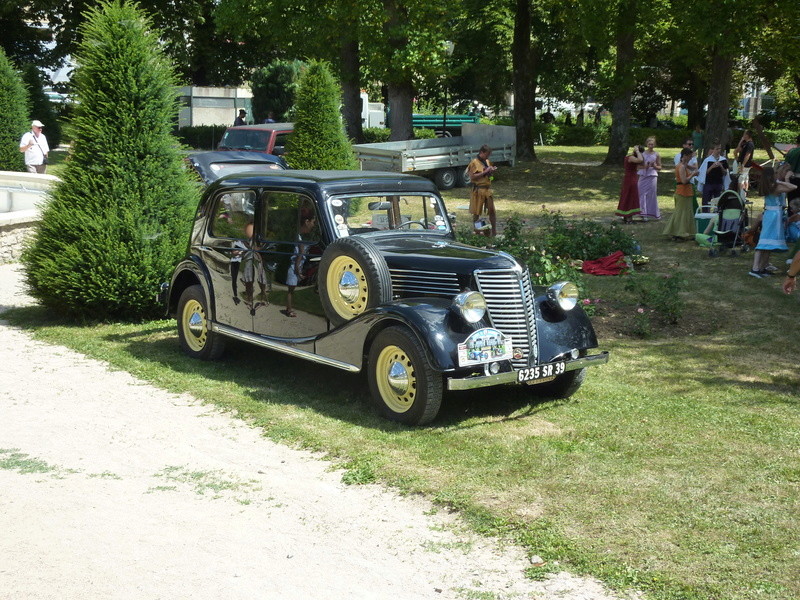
pixel 112 488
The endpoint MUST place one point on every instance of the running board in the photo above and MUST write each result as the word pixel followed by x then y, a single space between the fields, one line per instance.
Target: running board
pixel 290 350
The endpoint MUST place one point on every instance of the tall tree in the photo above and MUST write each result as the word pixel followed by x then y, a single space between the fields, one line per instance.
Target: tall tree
pixel 13 115
pixel 524 84
pixel 116 225
pixel 623 81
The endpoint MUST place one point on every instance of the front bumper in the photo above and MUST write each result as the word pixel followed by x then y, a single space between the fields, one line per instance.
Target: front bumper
pixel 479 381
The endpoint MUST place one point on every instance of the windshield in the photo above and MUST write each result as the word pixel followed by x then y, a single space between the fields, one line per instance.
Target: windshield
pixel 360 214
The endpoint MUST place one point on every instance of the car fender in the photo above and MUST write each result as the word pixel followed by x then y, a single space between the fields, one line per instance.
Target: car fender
pixel 560 331
pixel 438 329
pixel 188 272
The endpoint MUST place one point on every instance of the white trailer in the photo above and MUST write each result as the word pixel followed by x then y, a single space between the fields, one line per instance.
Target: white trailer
pixel 443 159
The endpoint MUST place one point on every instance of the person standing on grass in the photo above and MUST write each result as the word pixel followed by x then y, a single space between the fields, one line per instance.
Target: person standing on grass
pixel 648 181
pixel 790 281
pixel 773 235
pixel 629 194
pixel 744 156
pixel 713 175
pixel 34 145
pixel 482 199
pixel 698 139
pixel 687 143
pixel 681 225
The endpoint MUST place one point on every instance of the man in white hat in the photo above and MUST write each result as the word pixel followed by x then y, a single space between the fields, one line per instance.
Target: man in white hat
pixel 35 147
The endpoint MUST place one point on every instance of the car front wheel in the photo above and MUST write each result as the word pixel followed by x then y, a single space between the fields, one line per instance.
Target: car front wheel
pixel 402 383
pixel 194 330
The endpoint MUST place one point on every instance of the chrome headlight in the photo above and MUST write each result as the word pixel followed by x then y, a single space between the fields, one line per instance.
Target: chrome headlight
pixel 471 306
pixel 563 293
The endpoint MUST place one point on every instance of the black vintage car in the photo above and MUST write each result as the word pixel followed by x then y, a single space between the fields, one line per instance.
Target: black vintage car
pixel 361 270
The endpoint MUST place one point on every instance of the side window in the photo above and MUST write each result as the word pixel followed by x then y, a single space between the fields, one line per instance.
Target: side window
pixel 281 216
pixel 232 212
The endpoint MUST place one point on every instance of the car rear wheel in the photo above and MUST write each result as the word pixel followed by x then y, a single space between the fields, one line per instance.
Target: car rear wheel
pixel 353 277
pixel 403 385
pixel 194 331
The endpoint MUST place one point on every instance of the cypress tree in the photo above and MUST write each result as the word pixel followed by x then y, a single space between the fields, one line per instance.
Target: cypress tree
pixel 117 224
pixel 319 140
pixel 13 116
pixel 40 106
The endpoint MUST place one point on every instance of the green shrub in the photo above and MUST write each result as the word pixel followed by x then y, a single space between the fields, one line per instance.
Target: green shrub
pixel 782 136
pixel 201 137
pixel 421 133
pixel 376 135
pixel 656 295
pixel 274 88
pixel 582 239
pixel 117 224
pixel 40 106
pixel 13 116
pixel 319 140
pixel 665 138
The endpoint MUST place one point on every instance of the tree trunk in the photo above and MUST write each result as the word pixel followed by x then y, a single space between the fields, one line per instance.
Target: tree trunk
pixel 351 90
pixel 623 83
pixel 719 93
pixel 401 97
pixel 523 81
pixel 694 106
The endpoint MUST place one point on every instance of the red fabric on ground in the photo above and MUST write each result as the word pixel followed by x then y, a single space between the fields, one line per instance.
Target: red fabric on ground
pixel 613 264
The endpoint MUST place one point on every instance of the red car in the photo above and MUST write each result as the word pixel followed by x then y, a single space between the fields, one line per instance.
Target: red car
pixel 269 138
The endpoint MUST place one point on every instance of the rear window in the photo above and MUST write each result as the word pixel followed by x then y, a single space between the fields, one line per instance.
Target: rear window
pixel 245 139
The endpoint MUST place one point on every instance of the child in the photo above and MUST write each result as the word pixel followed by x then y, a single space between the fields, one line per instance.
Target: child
pixel 772 229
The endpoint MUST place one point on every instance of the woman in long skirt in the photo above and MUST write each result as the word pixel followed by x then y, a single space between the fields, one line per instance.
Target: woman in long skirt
pixel 648 181
pixel 681 224
pixel 629 194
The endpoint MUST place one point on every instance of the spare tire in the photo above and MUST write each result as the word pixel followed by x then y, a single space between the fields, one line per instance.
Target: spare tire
pixel 353 277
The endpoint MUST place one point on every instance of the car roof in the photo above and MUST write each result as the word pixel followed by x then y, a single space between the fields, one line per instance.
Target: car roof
pixel 334 181
pixel 266 126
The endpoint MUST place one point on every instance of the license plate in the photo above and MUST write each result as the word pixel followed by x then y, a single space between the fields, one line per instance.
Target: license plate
pixel 541 372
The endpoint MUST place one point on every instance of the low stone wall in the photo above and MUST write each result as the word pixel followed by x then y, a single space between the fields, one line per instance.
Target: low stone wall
pixel 20 196
pixel 14 230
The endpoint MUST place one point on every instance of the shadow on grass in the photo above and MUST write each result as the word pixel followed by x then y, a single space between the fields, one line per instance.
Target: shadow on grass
pixel 270 377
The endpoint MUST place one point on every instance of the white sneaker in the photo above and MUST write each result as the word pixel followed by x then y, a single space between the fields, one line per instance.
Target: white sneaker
pixel 771 269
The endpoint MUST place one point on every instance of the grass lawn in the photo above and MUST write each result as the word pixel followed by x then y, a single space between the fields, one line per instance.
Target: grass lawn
pixel 675 469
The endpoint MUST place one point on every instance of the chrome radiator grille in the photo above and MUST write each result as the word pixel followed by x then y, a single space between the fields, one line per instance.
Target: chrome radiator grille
pixel 509 299
pixel 423 283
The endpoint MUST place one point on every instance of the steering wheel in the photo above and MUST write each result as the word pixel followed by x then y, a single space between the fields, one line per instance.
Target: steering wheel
pixel 409 224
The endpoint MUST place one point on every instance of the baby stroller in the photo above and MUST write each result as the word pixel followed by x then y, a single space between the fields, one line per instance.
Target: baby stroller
pixel 727 225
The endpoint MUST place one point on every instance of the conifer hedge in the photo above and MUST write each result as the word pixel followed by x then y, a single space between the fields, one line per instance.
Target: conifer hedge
pixel 13 116
pixel 117 224
pixel 319 140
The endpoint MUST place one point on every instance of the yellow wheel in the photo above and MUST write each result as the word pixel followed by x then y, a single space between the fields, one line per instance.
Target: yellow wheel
pixel 403 385
pixel 397 383
pixel 346 283
pixel 195 326
pixel 194 330
pixel 353 278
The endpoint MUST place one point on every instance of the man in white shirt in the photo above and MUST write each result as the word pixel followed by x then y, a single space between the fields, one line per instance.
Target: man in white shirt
pixel 34 145
pixel 688 143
